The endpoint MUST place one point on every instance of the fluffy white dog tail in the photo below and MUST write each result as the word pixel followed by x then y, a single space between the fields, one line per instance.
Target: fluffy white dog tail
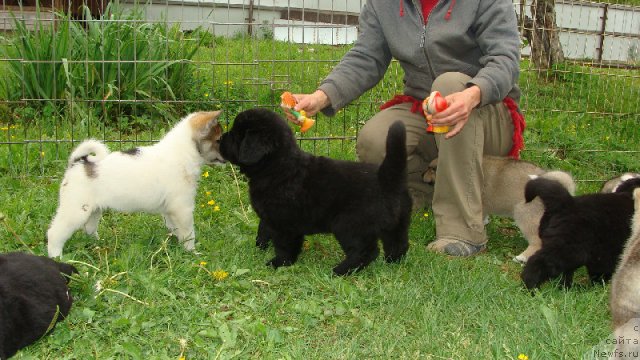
pixel 86 148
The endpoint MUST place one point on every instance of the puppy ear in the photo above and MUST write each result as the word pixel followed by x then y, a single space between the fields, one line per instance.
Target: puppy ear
pixel 211 120
pixel 254 147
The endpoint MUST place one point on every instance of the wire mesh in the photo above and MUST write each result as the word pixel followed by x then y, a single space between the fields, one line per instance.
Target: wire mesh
pixel 125 72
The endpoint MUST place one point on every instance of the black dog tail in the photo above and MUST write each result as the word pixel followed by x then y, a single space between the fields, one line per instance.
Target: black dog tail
pixel 553 194
pixel 393 170
pixel 627 186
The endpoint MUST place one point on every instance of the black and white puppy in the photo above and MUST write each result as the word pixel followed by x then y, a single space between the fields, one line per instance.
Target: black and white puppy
pixel 33 297
pixel 296 194
pixel 588 230
pixel 161 178
pixel 504 179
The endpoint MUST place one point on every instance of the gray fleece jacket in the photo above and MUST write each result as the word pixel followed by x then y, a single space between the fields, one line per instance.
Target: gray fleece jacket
pixel 477 37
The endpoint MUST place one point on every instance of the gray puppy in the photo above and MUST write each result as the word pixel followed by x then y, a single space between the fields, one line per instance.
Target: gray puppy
pixel 503 194
pixel 625 285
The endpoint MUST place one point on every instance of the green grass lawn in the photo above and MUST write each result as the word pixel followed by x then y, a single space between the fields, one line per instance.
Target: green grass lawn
pixel 140 295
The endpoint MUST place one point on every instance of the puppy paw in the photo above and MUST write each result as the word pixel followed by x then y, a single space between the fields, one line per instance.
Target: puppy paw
pixel 393 258
pixel 532 279
pixel 189 245
pixel 343 269
pixel 278 262
pixel 54 251
pixel 395 254
pixel 262 243
pixel 522 259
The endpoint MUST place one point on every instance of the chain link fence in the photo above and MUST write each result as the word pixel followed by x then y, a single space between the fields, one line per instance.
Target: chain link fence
pixel 125 72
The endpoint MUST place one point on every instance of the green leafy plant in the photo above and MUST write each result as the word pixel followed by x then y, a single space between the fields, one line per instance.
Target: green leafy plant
pixel 118 64
pixel 38 69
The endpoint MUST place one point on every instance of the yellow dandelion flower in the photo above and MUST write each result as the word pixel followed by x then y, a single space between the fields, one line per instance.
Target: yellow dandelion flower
pixel 42 154
pixel 182 357
pixel 207 193
pixel 206 94
pixel 426 215
pixel 211 202
pixel 203 263
pixel 216 208
pixel 523 357
pixel 206 174
pixel 220 275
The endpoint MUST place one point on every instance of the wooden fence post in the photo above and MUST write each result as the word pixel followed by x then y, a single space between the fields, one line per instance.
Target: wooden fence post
pixel 600 48
pixel 250 19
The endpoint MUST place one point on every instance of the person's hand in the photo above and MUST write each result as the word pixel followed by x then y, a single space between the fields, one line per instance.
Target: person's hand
pixel 310 103
pixel 457 113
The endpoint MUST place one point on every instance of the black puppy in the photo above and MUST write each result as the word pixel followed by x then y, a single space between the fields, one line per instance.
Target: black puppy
pixel 296 194
pixel 588 230
pixel 33 297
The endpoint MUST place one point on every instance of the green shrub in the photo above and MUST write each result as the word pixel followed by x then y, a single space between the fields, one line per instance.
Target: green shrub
pixel 114 67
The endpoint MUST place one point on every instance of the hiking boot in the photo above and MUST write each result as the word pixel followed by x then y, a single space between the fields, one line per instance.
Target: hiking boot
pixel 453 247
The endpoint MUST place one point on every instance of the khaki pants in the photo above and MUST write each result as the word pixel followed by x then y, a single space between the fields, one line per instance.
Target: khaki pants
pixel 456 198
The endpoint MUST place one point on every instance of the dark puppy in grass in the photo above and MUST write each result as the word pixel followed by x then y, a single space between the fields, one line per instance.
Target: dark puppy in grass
pixel 33 297
pixel 503 194
pixel 588 230
pixel 296 194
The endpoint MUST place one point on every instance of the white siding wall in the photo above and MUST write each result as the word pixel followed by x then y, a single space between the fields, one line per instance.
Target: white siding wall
pixel 228 17
pixel 585 17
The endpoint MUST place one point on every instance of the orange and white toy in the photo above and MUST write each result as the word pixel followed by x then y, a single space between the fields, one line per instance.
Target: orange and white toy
pixel 433 104
pixel 288 101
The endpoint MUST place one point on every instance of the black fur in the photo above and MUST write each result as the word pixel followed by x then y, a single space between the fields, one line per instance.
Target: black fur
pixel 89 167
pixel 296 194
pixel 133 151
pixel 33 292
pixel 628 185
pixel 588 230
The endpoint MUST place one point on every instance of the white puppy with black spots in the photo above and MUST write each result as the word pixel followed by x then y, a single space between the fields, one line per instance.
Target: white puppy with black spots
pixel 161 178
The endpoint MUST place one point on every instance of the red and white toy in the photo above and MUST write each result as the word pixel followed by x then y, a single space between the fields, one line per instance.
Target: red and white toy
pixel 433 104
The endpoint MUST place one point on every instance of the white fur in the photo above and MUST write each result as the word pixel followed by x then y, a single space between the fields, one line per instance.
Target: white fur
pixel 87 147
pixel 161 178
